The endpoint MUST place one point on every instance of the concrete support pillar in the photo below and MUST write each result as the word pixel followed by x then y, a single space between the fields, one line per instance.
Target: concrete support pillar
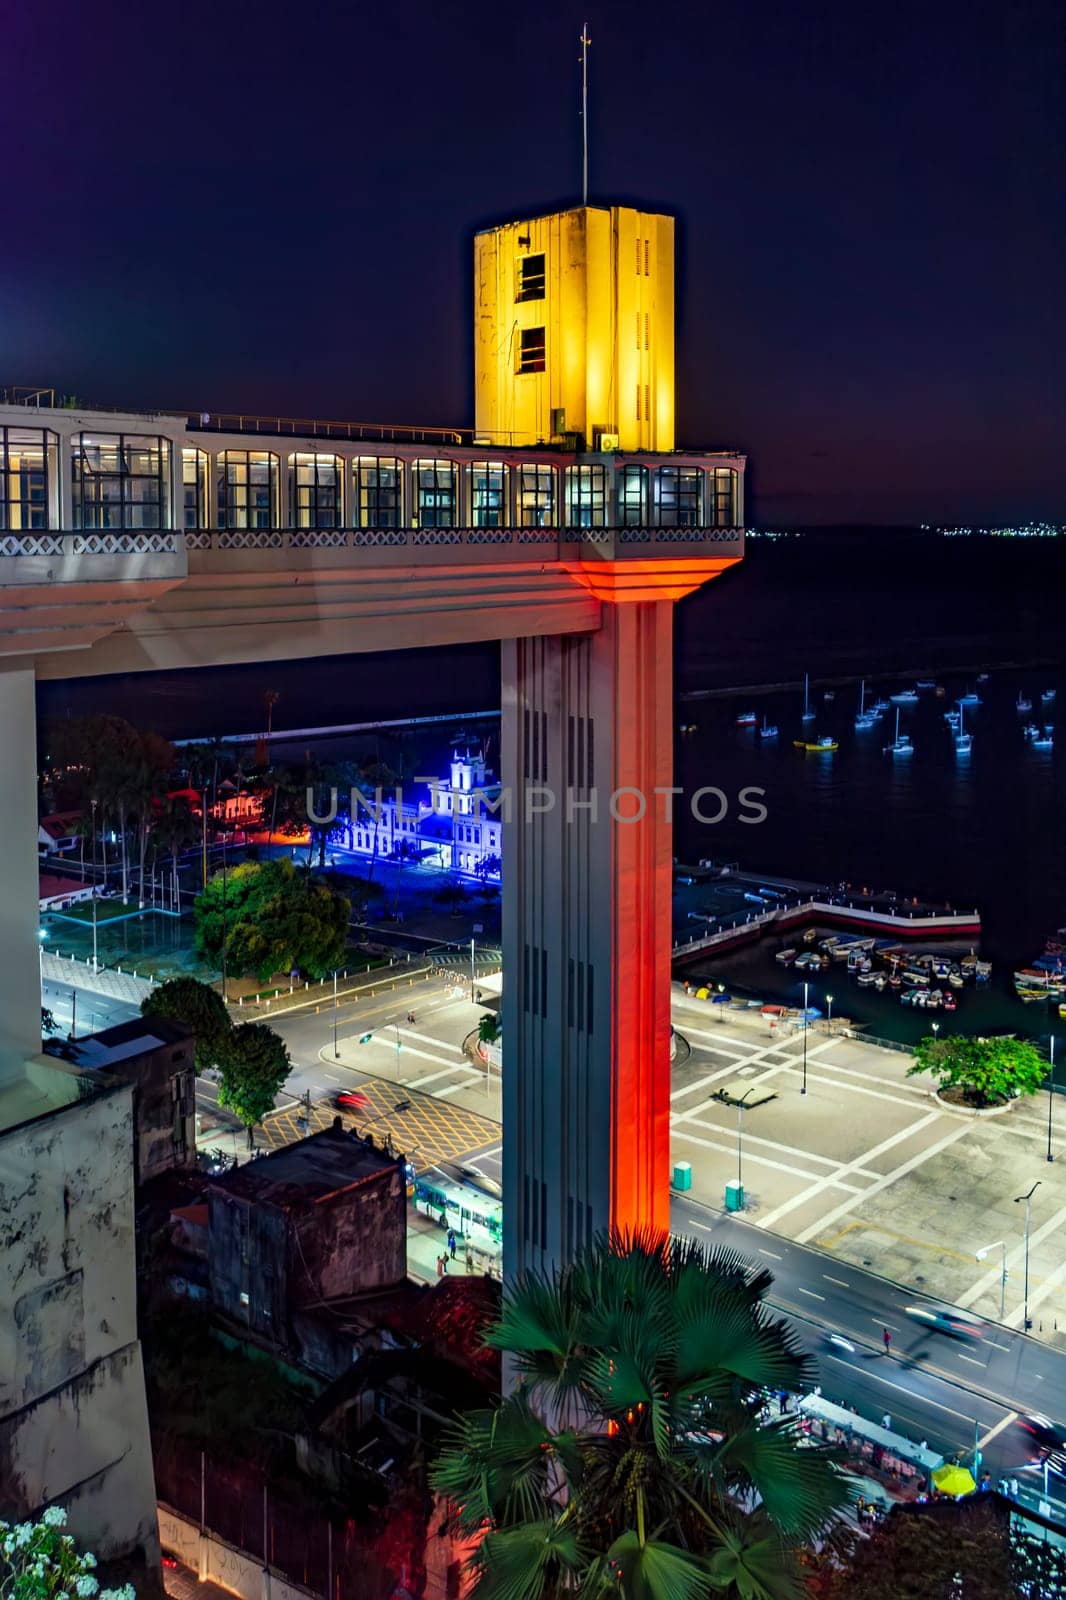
pixel 20 978
pixel 586 1018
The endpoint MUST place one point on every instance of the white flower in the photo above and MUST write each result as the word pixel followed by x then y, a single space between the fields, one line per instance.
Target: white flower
pixel 85 1587
pixel 54 1517
pixel 88 1559
pixel 23 1534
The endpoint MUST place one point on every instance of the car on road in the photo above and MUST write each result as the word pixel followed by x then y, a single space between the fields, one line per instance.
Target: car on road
pixel 957 1324
pixel 1049 1438
pixel 350 1100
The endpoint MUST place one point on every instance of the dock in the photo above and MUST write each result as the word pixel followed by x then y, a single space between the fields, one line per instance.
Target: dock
pixel 870 911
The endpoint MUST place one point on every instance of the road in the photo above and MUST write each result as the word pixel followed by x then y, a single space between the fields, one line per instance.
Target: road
pixel 93 1011
pixel 948 1392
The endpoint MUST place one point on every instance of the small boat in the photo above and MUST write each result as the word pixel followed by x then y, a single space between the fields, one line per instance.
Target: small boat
pixel 1030 731
pixel 901 744
pixel 905 697
pixel 971 699
pixel 768 729
pixel 786 957
pixel 1047 696
pixel 982 677
pixel 772 1011
pixel 809 935
pixel 865 719
pixel 865 979
pixel 982 971
pixel 755 899
pixel 895 981
pixel 1023 702
pixel 950 1002
pixel 808 714
pixel 823 746
pixel 925 683
pixel 747 719
pixel 880 981
pixel 1044 741
pixel 953 719
pixel 940 691
pixel 956 980
pixel 880 706
pixel 963 740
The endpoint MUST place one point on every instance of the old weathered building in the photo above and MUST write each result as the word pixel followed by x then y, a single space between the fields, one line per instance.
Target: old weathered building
pixel 156 1057
pixel 73 1421
pixel 310 1223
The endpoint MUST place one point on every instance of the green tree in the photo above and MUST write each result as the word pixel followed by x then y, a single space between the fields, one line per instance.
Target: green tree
pixel 986 1072
pixel 255 1064
pixel 49 1025
pixel 200 1008
pixel 932 1551
pixel 633 1458
pixel 271 918
pixel 488 1029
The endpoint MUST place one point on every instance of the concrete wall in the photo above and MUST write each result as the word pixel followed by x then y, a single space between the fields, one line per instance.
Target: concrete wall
pixel 214 1561
pixel 353 1242
pixel 73 1420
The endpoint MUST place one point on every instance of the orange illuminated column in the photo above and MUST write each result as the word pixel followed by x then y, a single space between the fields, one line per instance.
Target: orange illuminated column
pixel 587 743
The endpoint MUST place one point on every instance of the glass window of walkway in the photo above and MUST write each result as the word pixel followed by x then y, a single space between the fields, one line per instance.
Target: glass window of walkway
pixel 120 480
pixel 678 497
pixel 247 489
pixel 536 497
pixel 315 491
pixel 723 486
pixel 487 483
pixel 632 496
pixel 435 494
pixel 28 482
pixel 586 497
pixel 379 492
pixel 194 481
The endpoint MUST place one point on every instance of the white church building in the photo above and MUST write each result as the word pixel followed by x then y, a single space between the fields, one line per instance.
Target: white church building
pixel 452 827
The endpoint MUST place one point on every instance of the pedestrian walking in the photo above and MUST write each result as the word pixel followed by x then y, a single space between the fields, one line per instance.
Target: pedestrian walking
pixel 782 1402
pixel 1014 1488
pixel 440 1266
pixel 886 1423
pixel 887 1337
pixel 451 1243
pixel 444 1264
pixel 985 1483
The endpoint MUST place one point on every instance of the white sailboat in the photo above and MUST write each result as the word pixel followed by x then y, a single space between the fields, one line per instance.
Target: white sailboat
pixel 963 740
pixel 901 744
pixel 865 719
pixel 808 714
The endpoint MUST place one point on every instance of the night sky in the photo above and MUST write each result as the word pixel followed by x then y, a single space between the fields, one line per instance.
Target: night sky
pixel 270 207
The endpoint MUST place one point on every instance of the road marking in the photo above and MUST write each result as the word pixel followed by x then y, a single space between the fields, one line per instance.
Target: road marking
pixel 973 1362
pixel 841 1281
pixel 924 1399
pixel 996 1346
pixel 1005 1422
pixel 889 1178
pixel 705 1226
pixel 801 1290
pixel 332 1076
pixel 891 1326
pixel 771 1253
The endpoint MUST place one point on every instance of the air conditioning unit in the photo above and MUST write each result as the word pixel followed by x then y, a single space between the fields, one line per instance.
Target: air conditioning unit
pixel 558 419
pixel 606 442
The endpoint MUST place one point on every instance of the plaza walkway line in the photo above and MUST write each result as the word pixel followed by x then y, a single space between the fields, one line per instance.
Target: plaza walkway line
pixel 1015 1257
pixel 889 1178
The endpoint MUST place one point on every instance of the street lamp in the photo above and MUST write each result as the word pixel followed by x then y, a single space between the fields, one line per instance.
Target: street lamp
pixel 936 1029
pixel 804 1089
pixel 740 1142
pixel 336 1048
pixel 981 1255
pixel 721 1013
pixel 829 1023
pixel 1028 1199
pixel 396 1030
pixel 472 974
pixel 1051 1100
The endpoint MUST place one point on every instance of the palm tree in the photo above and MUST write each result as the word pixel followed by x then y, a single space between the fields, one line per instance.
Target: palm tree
pixel 634 1457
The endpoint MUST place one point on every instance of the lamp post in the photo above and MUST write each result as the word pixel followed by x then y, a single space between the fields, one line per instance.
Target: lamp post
pixel 472 975
pixel 1028 1199
pixel 336 1049
pixel 96 966
pixel 740 1142
pixel 981 1255
pixel 829 1023
pixel 936 1029
pixel 804 1089
pixel 396 1031
pixel 721 990
pixel 1051 1100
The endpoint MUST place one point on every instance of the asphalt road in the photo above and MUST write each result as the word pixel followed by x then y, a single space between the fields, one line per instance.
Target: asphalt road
pixel 94 1011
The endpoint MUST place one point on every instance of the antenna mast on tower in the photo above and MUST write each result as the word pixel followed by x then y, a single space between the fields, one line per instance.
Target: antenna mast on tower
pixel 585 42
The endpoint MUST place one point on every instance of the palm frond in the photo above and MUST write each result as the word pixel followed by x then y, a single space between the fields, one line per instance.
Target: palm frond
pixel 801 1491
pixel 495 1465
pixel 526 1563
pixel 651 1569
pixel 758 1568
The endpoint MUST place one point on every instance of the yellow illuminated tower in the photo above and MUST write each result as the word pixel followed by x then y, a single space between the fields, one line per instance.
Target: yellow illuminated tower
pixel 574 330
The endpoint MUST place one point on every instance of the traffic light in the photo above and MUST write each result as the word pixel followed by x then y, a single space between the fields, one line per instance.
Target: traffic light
pixel 366 1038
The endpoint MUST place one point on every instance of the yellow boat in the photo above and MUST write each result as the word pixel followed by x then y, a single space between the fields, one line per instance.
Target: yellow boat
pixel 824 746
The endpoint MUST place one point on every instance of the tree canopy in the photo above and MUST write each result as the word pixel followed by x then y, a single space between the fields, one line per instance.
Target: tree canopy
pixel 271 918
pixel 200 1008
pixel 635 1457
pixel 255 1064
pixel 985 1071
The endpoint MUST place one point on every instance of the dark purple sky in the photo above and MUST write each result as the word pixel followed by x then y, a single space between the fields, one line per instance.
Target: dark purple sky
pixel 270 207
